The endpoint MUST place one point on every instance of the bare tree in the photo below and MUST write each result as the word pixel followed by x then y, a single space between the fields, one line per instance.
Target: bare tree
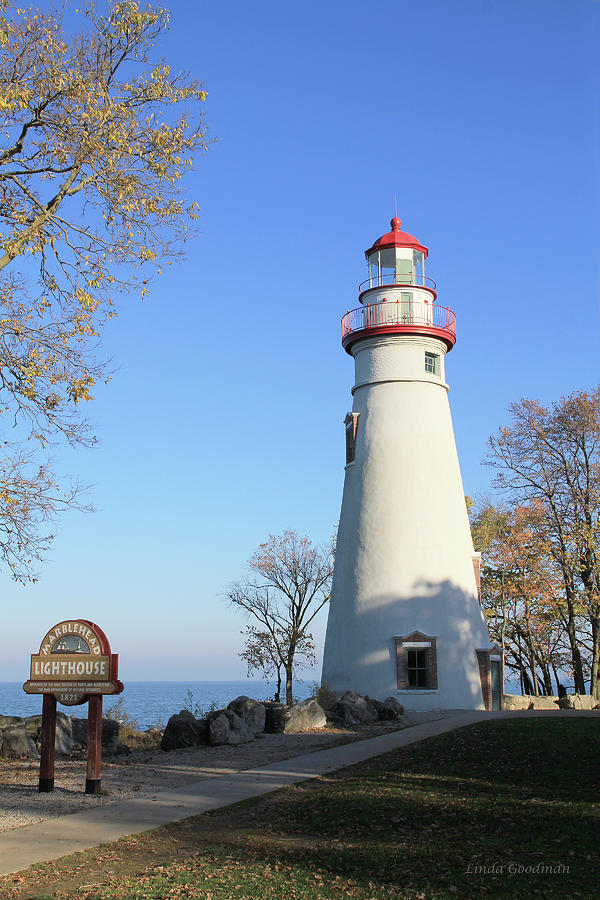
pixel 288 582
pixel 96 136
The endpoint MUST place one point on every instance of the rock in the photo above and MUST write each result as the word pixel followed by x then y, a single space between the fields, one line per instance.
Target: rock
pixel 251 711
pixel 386 710
pixel 110 734
pixel 64 733
pixel 225 727
pixel 528 701
pixel 354 709
pixel 79 731
pixel 580 701
pixel 544 702
pixel 304 716
pixel 393 704
pixel 15 742
pixel 275 717
pixel 184 730
pixel 515 701
pixel 333 719
pixel 563 701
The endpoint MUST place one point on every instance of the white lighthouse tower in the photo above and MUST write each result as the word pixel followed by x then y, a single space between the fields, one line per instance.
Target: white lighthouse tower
pixel 404 618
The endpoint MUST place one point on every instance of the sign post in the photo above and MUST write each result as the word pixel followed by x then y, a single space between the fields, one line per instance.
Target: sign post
pixel 94 745
pixel 74 666
pixel 48 743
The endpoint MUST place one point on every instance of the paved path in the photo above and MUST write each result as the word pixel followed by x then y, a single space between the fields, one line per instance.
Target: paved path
pixel 53 838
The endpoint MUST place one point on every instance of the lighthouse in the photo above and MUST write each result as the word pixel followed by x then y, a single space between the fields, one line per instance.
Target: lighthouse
pixel 404 617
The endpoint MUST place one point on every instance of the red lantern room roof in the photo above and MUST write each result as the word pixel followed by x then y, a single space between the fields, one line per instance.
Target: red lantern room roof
pixel 396 238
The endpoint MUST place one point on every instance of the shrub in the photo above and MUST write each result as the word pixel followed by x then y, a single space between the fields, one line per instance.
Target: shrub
pixel 324 695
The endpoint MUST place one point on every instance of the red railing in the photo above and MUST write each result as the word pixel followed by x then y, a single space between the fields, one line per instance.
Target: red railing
pixel 415 315
pixel 395 278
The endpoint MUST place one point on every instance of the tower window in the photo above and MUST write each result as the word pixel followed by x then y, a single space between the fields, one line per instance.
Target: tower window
pixel 416 662
pixel 432 363
pixel 417 668
pixel 350 422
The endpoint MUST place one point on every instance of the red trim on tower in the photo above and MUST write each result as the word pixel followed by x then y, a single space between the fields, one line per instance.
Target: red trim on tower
pixel 409 286
pixel 399 317
pixel 443 334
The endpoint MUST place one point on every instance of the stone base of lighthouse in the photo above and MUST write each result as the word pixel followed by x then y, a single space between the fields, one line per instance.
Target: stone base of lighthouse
pixel 404 618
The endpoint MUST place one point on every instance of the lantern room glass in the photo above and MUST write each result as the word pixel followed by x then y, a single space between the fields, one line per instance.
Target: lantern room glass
pixel 419 265
pixel 395 265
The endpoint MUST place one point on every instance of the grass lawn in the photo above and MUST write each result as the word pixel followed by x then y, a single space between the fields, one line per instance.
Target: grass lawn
pixel 500 809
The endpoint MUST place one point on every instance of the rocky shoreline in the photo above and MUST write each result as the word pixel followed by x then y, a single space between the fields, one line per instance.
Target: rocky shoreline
pixel 220 745
pixel 243 720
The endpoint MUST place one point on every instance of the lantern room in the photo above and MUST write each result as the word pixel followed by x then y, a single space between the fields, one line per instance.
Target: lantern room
pixel 396 258
pixel 397 297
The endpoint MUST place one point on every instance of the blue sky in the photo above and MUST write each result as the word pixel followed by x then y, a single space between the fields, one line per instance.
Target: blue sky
pixel 224 419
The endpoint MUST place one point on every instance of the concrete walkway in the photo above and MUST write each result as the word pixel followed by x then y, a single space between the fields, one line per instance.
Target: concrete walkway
pixel 53 838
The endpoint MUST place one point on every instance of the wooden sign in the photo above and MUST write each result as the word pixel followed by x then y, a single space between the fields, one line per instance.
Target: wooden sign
pixel 74 665
pixel 73 662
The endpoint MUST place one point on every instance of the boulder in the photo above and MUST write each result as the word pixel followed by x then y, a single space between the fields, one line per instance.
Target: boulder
pixel 304 716
pixel 64 733
pixel 184 730
pixel 580 701
pixel 251 711
pixel 110 734
pixel 225 727
pixel 275 717
pixel 79 731
pixel 529 701
pixel 544 702
pixel 15 742
pixel 393 704
pixel 563 701
pixel 515 701
pixel 386 710
pixel 354 709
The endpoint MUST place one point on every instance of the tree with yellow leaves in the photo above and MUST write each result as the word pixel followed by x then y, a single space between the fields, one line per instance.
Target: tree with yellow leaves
pixel 95 138
pixel 548 460
pixel 522 593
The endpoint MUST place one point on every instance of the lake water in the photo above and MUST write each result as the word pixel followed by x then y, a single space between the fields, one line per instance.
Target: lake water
pixel 152 702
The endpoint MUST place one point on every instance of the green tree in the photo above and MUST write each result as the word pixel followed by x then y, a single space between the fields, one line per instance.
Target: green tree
pixel 96 136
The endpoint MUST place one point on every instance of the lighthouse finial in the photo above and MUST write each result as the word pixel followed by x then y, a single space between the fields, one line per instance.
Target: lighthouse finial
pixel 395 223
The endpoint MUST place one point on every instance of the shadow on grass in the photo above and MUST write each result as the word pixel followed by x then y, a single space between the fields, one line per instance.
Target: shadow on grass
pixel 502 808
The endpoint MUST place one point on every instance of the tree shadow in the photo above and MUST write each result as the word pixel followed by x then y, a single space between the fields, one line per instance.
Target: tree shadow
pixel 367 655
pixel 425 817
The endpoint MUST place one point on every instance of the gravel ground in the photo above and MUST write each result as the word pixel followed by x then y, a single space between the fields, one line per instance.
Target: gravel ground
pixel 144 773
